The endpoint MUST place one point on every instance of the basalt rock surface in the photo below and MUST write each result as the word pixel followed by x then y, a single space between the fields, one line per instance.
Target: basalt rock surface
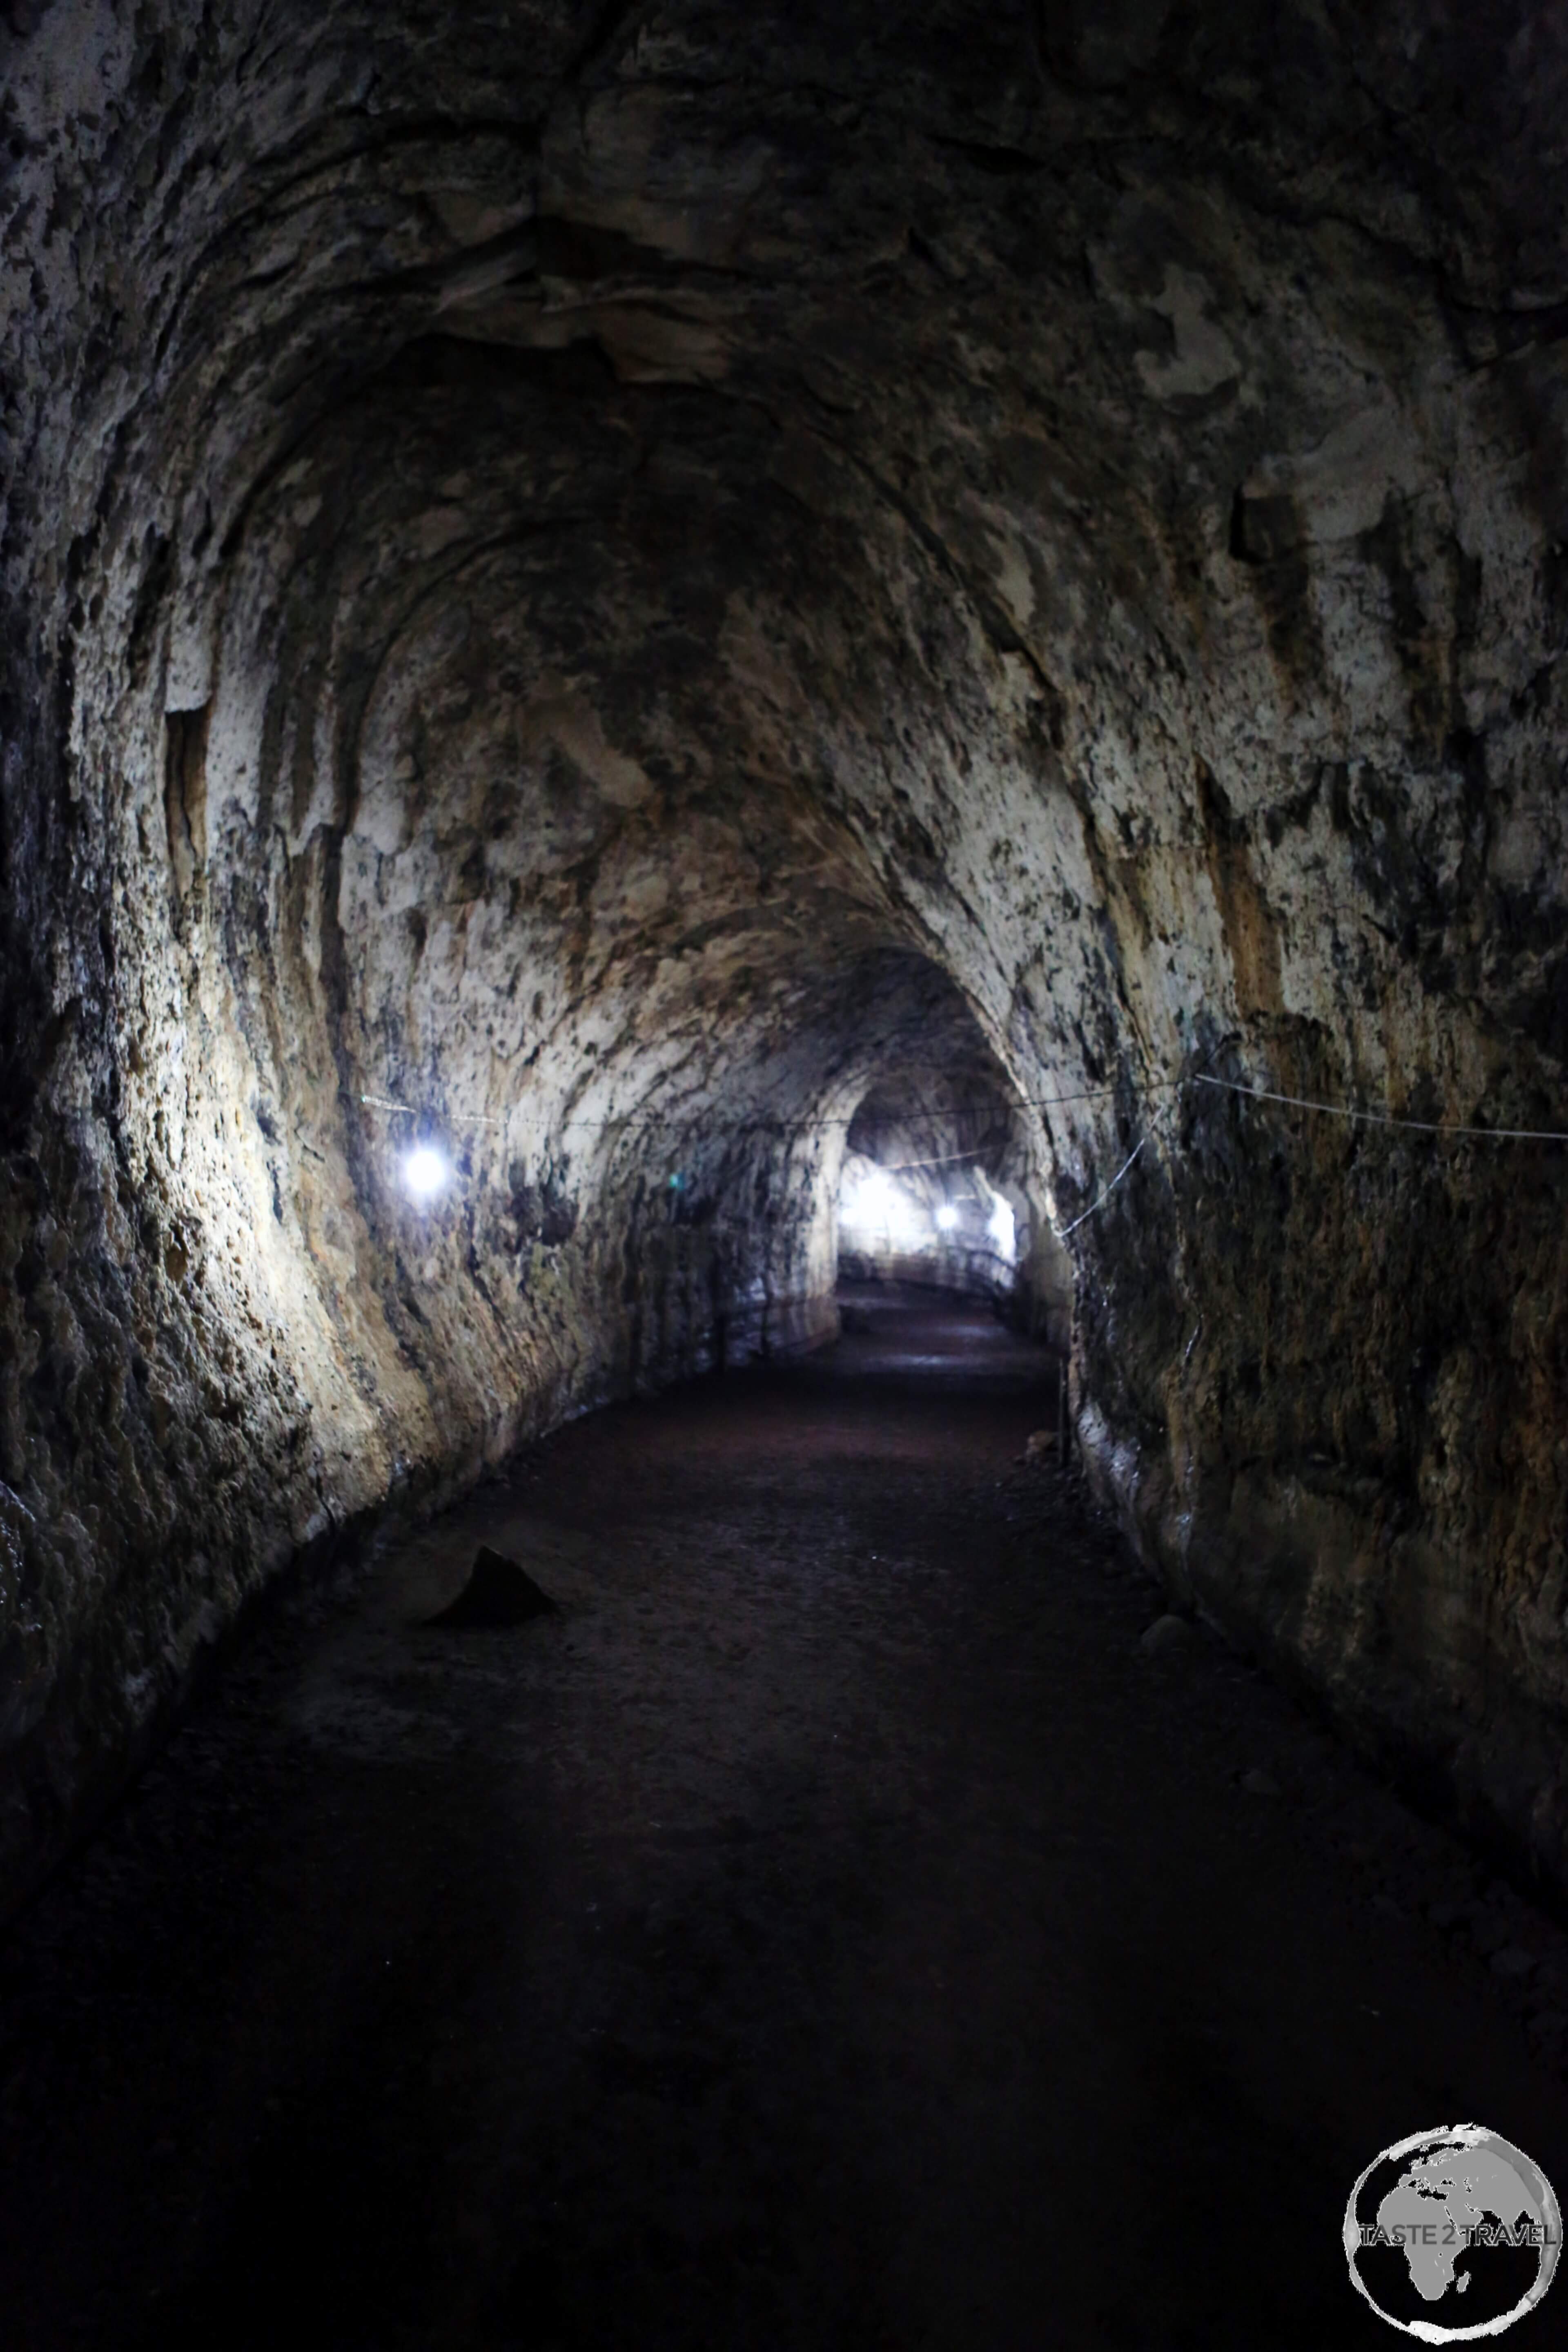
pixel 601 575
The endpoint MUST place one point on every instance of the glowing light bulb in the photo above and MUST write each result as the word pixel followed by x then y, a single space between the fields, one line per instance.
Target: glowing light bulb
pixel 882 1210
pixel 1003 1228
pixel 946 1217
pixel 870 1204
pixel 424 1171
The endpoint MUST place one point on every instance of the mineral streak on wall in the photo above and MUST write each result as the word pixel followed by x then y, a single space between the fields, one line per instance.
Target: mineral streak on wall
pixel 608 575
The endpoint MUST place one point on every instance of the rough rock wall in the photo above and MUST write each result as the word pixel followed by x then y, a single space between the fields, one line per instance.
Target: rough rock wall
pixel 584 570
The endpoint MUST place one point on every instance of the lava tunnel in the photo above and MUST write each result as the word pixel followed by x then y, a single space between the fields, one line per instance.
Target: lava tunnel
pixel 656 656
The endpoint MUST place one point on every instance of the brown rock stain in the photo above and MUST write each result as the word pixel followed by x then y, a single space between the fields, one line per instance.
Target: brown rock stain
pixel 1251 936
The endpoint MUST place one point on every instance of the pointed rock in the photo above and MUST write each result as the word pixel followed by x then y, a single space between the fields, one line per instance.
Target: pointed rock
pixel 497 1593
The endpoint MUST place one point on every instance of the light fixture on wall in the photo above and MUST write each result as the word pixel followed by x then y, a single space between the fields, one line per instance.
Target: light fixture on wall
pixel 946 1217
pixel 424 1171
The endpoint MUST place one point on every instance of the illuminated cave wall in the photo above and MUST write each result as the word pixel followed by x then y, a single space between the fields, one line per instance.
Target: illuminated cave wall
pixel 592 572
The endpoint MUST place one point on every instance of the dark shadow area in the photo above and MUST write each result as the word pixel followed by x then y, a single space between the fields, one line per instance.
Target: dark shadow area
pixel 831 1929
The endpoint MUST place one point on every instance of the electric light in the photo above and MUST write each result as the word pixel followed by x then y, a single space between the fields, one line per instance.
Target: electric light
pixel 947 1217
pixel 1003 1228
pixel 873 1203
pixel 424 1171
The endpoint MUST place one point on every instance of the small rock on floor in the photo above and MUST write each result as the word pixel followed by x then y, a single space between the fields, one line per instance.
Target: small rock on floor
pixel 497 1593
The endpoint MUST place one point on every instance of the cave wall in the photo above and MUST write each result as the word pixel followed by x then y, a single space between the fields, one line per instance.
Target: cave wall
pixel 591 572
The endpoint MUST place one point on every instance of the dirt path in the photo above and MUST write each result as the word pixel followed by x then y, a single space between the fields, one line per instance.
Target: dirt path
pixel 834 1929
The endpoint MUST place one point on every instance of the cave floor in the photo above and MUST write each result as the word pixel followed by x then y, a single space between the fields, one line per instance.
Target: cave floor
pixel 832 1929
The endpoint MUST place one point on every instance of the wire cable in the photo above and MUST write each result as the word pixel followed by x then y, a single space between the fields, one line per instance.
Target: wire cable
pixel 1387 1118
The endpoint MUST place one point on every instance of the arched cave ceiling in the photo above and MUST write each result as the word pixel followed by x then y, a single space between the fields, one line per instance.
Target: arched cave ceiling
pixel 604 574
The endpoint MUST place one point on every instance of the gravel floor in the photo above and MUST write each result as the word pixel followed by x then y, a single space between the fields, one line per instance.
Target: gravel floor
pixel 838 1927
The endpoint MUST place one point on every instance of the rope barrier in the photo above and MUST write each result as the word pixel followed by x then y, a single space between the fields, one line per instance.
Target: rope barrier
pixel 1333 1110
pixel 1201 1077
pixel 1387 1118
pixel 769 1126
pixel 451 1118
pixel 1032 1102
pixel 945 1159
pixel 1107 1194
